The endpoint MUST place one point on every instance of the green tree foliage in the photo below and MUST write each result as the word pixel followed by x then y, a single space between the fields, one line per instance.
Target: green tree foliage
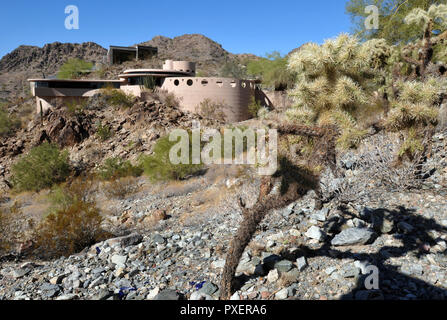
pixel 74 69
pixel 104 132
pixel 336 83
pixel 392 26
pixel 158 166
pixel 273 71
pixel 43 167
pixel 7 123
pixel 233 69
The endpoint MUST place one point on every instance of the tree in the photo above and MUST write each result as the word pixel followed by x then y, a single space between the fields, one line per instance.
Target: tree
pixel 74 68
pixel 392 14
pixel 272 69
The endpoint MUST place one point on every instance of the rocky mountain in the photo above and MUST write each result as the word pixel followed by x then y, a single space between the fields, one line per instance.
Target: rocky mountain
pixel 50 57
pixel 193 47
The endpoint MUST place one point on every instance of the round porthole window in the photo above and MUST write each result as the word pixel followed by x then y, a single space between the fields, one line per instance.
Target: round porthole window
pixel 189 82
pixel 176 83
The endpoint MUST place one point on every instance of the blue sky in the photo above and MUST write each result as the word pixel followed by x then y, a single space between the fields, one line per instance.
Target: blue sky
pixel 255 26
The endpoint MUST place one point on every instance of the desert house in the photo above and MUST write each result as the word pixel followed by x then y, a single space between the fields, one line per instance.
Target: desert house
pixel 176 77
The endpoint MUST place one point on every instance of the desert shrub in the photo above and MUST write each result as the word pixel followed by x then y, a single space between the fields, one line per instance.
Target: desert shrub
pixel 74 68
pixel 167 98
pixel 43 167
pixel 158 166
pixel 64 195
pixel 120 188
pixel 336 83
pixel 104 132
pixel 69 230
pixel 211 109
pixel 115 168
pixel 254 107
pixel 7 123
pixel 240 134
pixel 149 83
pixel 273 71
pixel 118 98
pixel 76 106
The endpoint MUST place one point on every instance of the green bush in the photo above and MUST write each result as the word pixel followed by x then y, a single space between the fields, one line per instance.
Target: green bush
pixel 159 167
pixel 65 195
pixel 7 123
pixel 273 71
pixel 118 98
pixel 254 107
pixel 43 167
pixel 116 168
pixel 76 106
pixel 69 230
pixel 74 68
pixel 104 132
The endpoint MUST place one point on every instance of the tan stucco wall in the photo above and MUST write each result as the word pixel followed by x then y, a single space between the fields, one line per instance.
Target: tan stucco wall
pixel 235 94
pixel 132 90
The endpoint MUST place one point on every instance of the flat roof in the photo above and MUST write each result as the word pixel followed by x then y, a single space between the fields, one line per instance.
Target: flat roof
pixel 132 48
pixel 155 72
pixel 72 80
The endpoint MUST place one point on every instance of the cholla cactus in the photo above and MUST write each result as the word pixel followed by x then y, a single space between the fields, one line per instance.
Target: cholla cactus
pixel 415 105
pixel 336 82
pixel 415 111
pixel 434 18
pixel 424 18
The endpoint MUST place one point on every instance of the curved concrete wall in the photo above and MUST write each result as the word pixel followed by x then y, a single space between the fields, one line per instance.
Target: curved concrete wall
pixel 185 66
pixel 234 94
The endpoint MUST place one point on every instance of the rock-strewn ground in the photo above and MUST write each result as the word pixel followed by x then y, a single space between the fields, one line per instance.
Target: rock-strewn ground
pixel 298 253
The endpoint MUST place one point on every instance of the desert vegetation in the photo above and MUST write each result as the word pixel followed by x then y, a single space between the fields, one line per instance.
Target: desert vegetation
pixel 273 71
pixel 344 90
pixel 210 109
pixel 43 167
pixel 74 69
pixel 158 166
pixel 7 122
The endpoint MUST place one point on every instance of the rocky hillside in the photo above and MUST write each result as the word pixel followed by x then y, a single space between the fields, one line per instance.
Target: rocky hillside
pixel 49 58
pixel 190 47
pixel 299 252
